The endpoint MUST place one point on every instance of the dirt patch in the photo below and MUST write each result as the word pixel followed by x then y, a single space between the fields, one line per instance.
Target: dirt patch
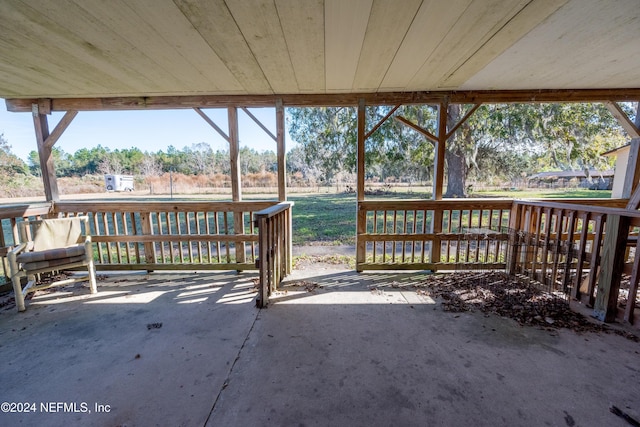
pixel 303 262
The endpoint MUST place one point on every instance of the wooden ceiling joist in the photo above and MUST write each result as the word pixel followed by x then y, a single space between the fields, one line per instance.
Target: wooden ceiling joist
pixel 333 99
pixel 431 137
pixel 60 128
pixel 623 119
pixel 212 124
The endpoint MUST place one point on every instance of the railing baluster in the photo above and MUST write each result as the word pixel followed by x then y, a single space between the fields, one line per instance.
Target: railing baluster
pixel 594 265
pixel 374 232
pixel 633 285
pixel 226 232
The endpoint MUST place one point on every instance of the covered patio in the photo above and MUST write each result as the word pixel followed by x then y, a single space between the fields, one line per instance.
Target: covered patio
pixel 191 349
pixel 173 335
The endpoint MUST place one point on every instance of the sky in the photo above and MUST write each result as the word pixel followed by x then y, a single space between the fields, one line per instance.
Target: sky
pixel 147 130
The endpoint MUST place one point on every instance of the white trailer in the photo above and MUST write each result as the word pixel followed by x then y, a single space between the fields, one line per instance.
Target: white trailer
pixel 118 182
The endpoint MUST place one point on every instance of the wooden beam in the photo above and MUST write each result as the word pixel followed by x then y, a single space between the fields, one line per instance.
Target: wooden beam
pixel 431 137
pixel 438 173
pixel 282 162
pixel 462 120
pixel 47 165
pixel 60 128
pixel 612 261
pixel 234 154
pixel 259 123
pixel 361 149
pixel 333 99
pixel 630 127
pixel 384 119
pixel 236 183
pixel 361 215
pixel 212 124
pixel 632 175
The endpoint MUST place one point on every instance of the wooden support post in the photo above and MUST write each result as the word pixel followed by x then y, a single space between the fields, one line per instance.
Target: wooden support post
pixel 236 185
pixel 632 173
pixel 47 165
pixel 361 215
pixel 438 179
pixel 265 262
pixel 615 243
pixel 282 164
pixel 438 173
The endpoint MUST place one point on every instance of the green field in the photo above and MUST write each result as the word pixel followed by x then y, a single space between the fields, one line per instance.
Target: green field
pixel 330 219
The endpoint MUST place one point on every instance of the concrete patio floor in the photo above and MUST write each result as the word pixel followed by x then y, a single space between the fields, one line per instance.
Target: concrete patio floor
pixel 333 348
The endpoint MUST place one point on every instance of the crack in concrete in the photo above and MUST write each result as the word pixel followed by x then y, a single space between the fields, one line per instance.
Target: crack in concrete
pixel 228 378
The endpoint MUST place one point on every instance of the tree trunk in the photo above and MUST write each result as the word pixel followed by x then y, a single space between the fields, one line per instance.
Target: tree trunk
pixel 457 169
pixel 456 174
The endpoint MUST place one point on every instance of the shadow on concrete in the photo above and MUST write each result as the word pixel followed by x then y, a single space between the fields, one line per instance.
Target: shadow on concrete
pixel 334 347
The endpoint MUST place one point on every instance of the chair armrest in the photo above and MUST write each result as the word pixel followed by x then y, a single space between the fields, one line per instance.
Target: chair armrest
pixel 20 248
pixel 11 258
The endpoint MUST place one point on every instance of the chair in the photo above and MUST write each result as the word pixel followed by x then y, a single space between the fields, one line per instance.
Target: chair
pixel 50 245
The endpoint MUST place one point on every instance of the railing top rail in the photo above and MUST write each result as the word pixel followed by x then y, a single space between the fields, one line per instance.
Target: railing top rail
pixel 273 210
pixel 162 206
pixel 19 210
pixel 580 208
pixel 382 204
pixel 614 203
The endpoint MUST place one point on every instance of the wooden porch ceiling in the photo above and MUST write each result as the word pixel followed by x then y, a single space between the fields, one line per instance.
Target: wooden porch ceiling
pixel 323 48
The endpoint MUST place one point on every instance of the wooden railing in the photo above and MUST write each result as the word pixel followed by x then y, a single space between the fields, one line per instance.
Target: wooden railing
pixel 155 235
pixel 580 248
pixel 564 246
pixel 275 246
pixel 432 235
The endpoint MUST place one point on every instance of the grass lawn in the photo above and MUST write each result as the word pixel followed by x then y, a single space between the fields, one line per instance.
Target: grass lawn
pixel 330 219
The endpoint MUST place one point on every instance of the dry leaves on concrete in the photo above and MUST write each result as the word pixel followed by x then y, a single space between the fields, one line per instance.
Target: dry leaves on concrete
pixel 507 296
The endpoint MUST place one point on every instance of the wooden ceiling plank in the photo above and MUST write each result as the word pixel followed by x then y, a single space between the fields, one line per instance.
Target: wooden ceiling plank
pixel 345 29
pixel 102 55
pixel 259 23
pixel 184 47
pixel 303 27
pixel 213 20
pixel 317 100
pixel 56 61
pixel 386 29
pixel 135 38
pixel 530 16
pixel 431 23
pixel 473 28
pixel 23 83
pixel 586 43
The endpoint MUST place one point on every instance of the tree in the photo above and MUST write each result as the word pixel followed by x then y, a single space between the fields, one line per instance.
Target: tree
pixel 327 137
pixel 504 140
pixel 200 158
pixel 10 164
